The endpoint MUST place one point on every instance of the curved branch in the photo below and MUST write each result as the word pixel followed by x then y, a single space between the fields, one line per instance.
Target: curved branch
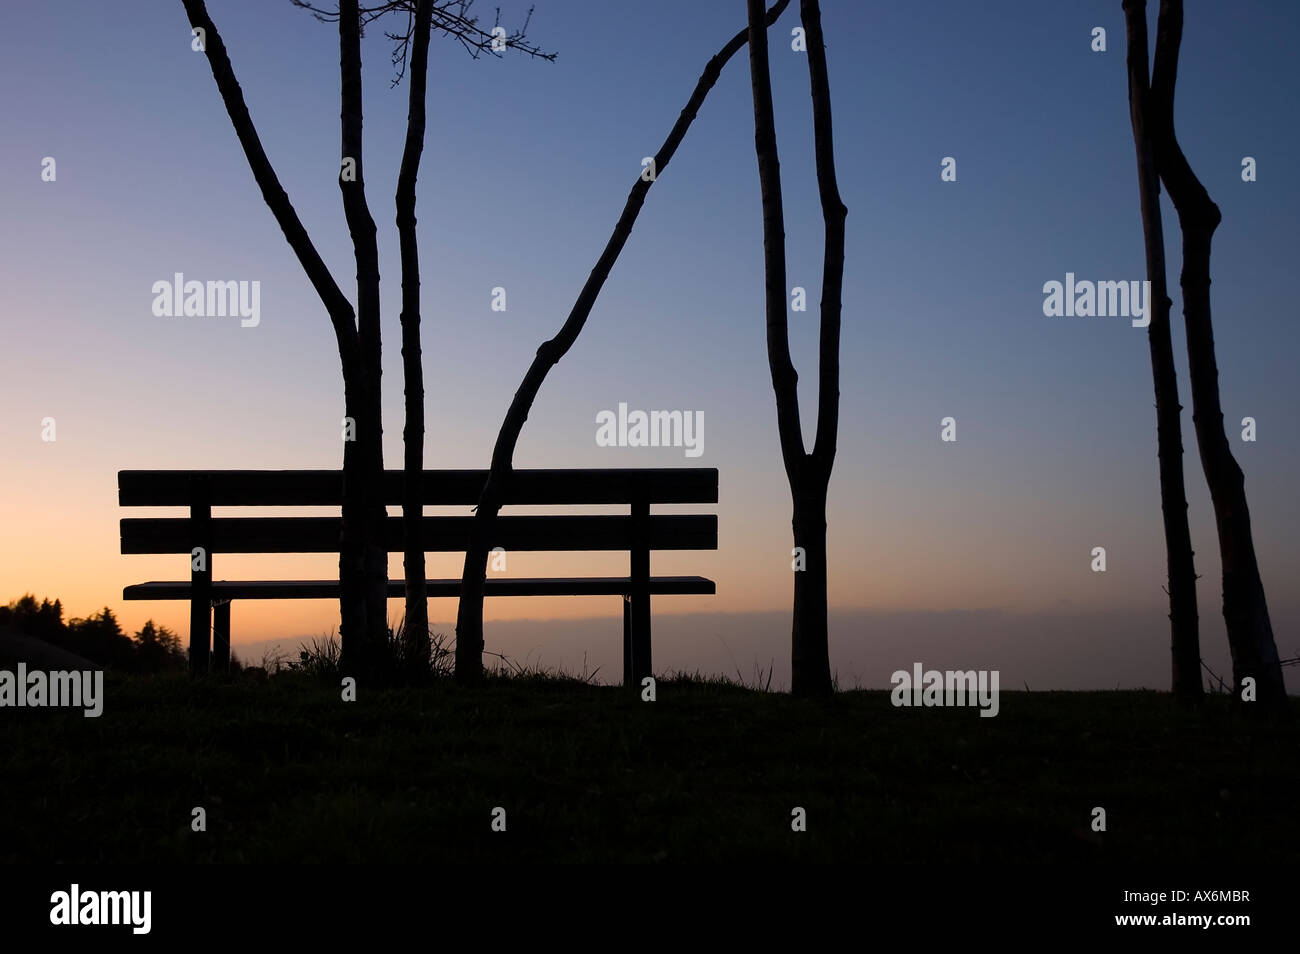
pixel 550 352
pixel 277 200
pixel 1189 196
pixel 469 621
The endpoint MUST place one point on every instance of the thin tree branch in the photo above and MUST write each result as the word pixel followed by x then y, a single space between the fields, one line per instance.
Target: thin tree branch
pixel 454 18
pixel 1185 190
pixel 336 303
pixel 833 213
pixel 361 224
pixel 785 380
pixel 417 617
pixel 550 352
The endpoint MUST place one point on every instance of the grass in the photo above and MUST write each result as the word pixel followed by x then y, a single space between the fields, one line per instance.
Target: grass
pixel 709 772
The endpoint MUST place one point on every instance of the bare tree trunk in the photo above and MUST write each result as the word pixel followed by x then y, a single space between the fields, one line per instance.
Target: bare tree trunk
pixel 342 318
pixel 810 663
pixel 416 630
pixel 1185 648
pixel 469 619
pixel 1245 610
pixel 361 226
pixel 808 474
pixel 352 543
pixel 810 649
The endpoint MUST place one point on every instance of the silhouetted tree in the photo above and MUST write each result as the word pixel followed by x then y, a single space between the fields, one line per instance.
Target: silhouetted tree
pixel 1245 610
pixel 158 649
pixel 416 618
pixel 99 637
pixel 453 18
pixel 1183 621
pixel 469 619
pixel 363 556
pixel 808 473
pixel 362 575
pixel 44 619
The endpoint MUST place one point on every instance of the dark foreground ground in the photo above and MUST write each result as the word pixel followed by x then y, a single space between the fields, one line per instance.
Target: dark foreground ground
pixel 288 772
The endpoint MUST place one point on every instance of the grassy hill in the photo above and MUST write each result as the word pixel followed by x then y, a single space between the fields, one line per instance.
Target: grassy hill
pixel 288 772
pixel 16 647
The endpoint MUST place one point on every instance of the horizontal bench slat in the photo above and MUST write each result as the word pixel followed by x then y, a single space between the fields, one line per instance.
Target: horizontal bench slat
pixel 329 589
pixel 304 488
pixel 441 534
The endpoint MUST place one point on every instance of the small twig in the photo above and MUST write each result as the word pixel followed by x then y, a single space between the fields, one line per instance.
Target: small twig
pixel 1222 686
pixel 452 18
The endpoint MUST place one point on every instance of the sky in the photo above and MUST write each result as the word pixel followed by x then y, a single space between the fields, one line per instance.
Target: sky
pixel 525 170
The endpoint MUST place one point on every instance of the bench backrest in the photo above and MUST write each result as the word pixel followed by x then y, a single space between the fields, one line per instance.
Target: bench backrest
pixel 202 490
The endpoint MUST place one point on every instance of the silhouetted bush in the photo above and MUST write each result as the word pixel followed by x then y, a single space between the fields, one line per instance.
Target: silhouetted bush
pixel 97 637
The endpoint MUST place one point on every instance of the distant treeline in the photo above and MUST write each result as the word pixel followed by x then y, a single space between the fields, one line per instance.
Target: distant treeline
pixel 98 637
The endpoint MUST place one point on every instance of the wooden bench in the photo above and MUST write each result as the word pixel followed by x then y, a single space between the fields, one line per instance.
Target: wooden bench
pixel 637 532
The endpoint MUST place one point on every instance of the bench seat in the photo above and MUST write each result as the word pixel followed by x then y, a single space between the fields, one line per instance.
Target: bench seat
pixel 510 586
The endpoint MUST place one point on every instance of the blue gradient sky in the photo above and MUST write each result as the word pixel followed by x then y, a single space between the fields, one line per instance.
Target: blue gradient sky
pixel 526 168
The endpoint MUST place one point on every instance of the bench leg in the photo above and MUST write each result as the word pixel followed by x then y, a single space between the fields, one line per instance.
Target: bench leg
pixel 638 640
pixel 627 642
pixel 221 637
pixel 637 612
pixel 200 632
pixel 200 575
